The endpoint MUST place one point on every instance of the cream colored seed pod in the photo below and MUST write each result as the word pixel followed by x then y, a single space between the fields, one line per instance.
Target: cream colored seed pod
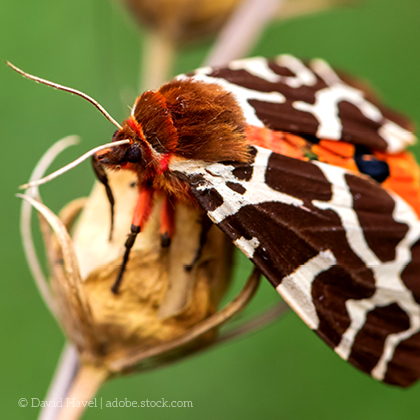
pixel 162 312
pixel 158 298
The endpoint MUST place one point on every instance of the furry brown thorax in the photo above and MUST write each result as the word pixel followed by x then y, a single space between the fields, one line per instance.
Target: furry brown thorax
pixel 183 119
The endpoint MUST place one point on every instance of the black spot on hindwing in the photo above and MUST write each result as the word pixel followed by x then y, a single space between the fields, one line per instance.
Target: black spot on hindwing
pixel 368 164
pixel 284 213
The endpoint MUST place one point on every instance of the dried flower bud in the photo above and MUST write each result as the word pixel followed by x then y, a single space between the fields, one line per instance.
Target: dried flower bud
pixel 190 20
pixel 163 312
pixel 183 20
pixel 159 299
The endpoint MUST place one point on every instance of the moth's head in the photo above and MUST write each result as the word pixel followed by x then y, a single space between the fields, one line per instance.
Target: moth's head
pixel 120 156
pixel 150 130
pixel 124 148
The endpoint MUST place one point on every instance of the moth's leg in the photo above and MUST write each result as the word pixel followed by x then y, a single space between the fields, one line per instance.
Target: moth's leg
pixel 103 179
pixel 142 212
pixel 206 224
pixel 167 226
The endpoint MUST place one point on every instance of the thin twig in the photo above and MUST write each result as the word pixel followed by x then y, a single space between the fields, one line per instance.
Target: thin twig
pixel 256 323
pixel 242 30
pixel 248 327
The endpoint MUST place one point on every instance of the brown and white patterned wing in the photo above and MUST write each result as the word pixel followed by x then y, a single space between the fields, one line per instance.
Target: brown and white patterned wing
pixel 287 94
pixel 342 251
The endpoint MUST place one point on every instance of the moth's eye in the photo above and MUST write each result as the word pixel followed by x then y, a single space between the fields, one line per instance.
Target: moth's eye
pixel 133 154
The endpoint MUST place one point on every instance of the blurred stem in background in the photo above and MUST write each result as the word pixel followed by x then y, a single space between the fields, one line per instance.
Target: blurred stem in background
pixel 236 24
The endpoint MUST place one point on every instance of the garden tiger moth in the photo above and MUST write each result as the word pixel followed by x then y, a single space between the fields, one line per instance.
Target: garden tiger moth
pixel 307 173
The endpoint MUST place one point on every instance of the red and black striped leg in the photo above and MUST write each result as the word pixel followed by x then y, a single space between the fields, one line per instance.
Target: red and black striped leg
pixel 142 212
pixel 103 179
pixel 135 230
pixel 206 224
pixel 167 222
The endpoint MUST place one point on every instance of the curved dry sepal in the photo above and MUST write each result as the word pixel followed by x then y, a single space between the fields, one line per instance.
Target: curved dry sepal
pixel 26 221
pixel 66 282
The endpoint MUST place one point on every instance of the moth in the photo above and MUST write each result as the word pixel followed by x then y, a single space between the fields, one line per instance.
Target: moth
pixel 306 172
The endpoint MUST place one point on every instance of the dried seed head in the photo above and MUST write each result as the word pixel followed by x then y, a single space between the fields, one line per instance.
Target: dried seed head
pixel 159 299
pixel 182 20
pixel 190 20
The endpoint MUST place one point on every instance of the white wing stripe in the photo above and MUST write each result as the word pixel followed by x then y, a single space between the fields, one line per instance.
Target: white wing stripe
pixel 389 286
pixel 296 288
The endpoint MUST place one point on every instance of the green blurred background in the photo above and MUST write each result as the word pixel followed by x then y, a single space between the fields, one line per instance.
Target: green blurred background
pixel 283 372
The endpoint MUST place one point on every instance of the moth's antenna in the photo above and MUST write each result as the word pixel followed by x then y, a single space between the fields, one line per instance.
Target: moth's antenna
pixel 71 165
pixel 66 89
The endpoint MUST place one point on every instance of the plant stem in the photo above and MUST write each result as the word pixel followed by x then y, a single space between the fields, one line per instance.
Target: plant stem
pixel 242 30
pixel 88 381
pixel 158 57
pixel 64 377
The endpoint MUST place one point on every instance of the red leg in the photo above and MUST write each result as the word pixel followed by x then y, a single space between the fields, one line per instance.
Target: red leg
pixel 144 206
pixel 142 212
pixel 167 221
